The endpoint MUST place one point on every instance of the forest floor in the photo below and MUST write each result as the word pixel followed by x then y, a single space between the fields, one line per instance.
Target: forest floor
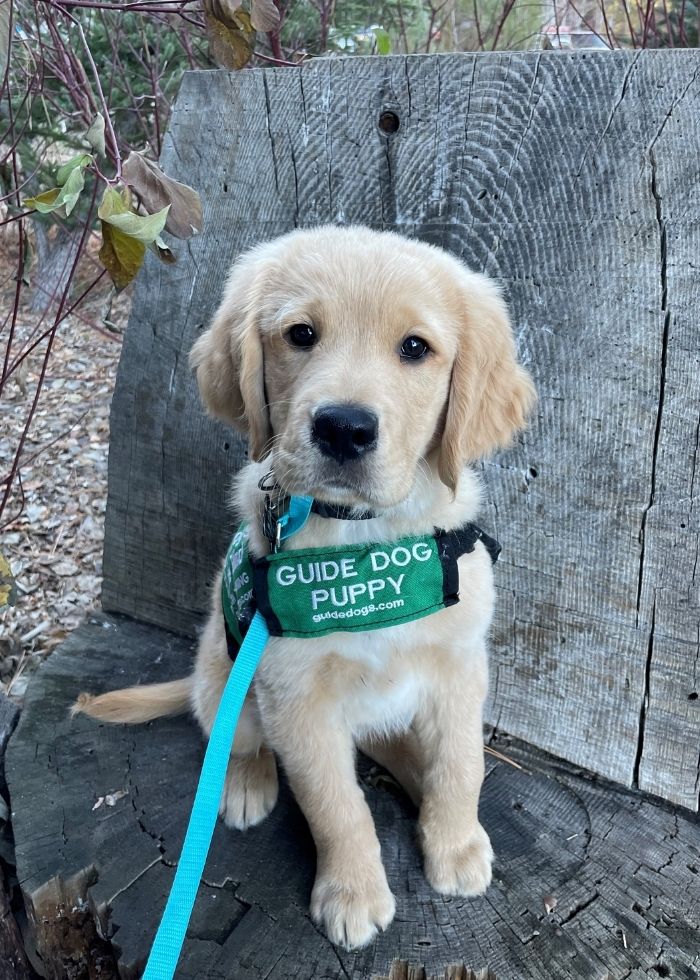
pixel 51 532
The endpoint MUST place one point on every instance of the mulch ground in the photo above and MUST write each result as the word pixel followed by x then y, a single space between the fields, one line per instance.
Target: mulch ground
pixel 53 541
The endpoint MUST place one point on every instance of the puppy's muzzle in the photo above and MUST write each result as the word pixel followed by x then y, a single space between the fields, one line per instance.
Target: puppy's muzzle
pixel 344 432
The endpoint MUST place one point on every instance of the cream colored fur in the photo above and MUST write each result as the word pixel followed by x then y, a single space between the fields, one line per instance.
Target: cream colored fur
pixel 409 695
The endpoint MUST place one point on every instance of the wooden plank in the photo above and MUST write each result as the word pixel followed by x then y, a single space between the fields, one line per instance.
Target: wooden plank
pixel 96 879
pixel 567 177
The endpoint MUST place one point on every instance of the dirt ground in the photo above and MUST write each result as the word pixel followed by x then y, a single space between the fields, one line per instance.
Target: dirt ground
pixel 54 544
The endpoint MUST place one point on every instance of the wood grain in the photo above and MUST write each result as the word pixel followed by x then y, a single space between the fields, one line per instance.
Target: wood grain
pixel 571 179
pixel 622 870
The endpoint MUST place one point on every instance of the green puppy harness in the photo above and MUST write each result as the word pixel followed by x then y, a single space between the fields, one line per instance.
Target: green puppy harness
pixel 312 592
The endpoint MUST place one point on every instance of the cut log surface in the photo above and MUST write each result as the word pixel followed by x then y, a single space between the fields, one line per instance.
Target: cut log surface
pixel 590 880
pixel 572 180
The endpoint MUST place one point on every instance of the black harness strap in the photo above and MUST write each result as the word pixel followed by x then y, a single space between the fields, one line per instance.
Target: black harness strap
pixel 340 512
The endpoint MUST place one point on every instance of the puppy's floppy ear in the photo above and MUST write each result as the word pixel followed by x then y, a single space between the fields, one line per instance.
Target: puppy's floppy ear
pixel 490 393
pixel 228 358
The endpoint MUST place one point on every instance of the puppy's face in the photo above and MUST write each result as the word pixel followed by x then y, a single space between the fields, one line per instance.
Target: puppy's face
pixel 351 357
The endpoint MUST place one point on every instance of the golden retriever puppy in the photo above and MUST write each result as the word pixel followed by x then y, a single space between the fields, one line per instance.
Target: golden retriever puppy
pixel 367 371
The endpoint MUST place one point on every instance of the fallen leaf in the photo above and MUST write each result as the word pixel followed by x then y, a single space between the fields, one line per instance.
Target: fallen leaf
pixel 7 584
pixel 65 567
pixel 156 190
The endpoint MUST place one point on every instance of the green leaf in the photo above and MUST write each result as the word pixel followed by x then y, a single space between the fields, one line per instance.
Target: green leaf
pixel 155 189
pixel 143 227
pixel 121 255
pixel 44 202
pixel 80 161
pixel 70 192
pixel 125 235
pixel 383 41
pixel 96 135
pixel 59 197
pixel 113 202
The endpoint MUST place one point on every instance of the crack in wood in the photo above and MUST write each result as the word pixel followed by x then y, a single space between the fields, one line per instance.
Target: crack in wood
pixel 268 114
pixel 645 699
pixel 401 969
pixel 581 907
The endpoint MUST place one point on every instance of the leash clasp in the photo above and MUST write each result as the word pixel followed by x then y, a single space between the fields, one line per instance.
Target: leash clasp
pixel 271 524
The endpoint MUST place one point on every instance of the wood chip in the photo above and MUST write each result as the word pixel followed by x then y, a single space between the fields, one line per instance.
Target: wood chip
pixel 55 545
pixel 550 903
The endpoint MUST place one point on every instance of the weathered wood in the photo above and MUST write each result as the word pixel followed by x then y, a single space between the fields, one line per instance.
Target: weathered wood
pixel 622 870
pixel 570 179
pixel 9 716
pixel 13 962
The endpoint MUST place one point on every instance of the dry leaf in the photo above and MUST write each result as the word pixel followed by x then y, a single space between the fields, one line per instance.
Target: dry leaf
pixel 4 37
pixel 230 41
pixel 121 255
pixel 223 10
pixel 157 191
pixel 159 248
pixel 264 15
pixel 7 584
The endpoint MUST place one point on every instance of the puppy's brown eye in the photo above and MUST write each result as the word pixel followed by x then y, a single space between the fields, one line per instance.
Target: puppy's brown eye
pixel 301 335
pixel 413 348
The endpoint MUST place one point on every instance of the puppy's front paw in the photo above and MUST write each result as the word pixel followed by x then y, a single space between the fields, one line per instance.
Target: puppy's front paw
pixel 250 790
pixel 460 869
pixel 352 908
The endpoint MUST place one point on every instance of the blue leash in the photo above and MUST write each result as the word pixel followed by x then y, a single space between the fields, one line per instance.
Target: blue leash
pixel 167 944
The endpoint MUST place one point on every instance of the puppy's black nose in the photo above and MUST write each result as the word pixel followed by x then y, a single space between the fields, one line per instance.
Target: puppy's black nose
pixel 344 432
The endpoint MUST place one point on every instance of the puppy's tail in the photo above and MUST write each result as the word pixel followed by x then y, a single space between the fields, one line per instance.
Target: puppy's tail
pixel 133 705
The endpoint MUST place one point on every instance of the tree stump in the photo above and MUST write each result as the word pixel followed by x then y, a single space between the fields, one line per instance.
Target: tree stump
pixel 588 878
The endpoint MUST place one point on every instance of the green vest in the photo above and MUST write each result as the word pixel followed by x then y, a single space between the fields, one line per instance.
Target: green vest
pixel 312 592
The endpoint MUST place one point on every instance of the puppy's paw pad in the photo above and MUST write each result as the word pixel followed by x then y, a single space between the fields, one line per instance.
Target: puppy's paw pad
pixel 250 790
pixel 462 870
pixel 352 912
